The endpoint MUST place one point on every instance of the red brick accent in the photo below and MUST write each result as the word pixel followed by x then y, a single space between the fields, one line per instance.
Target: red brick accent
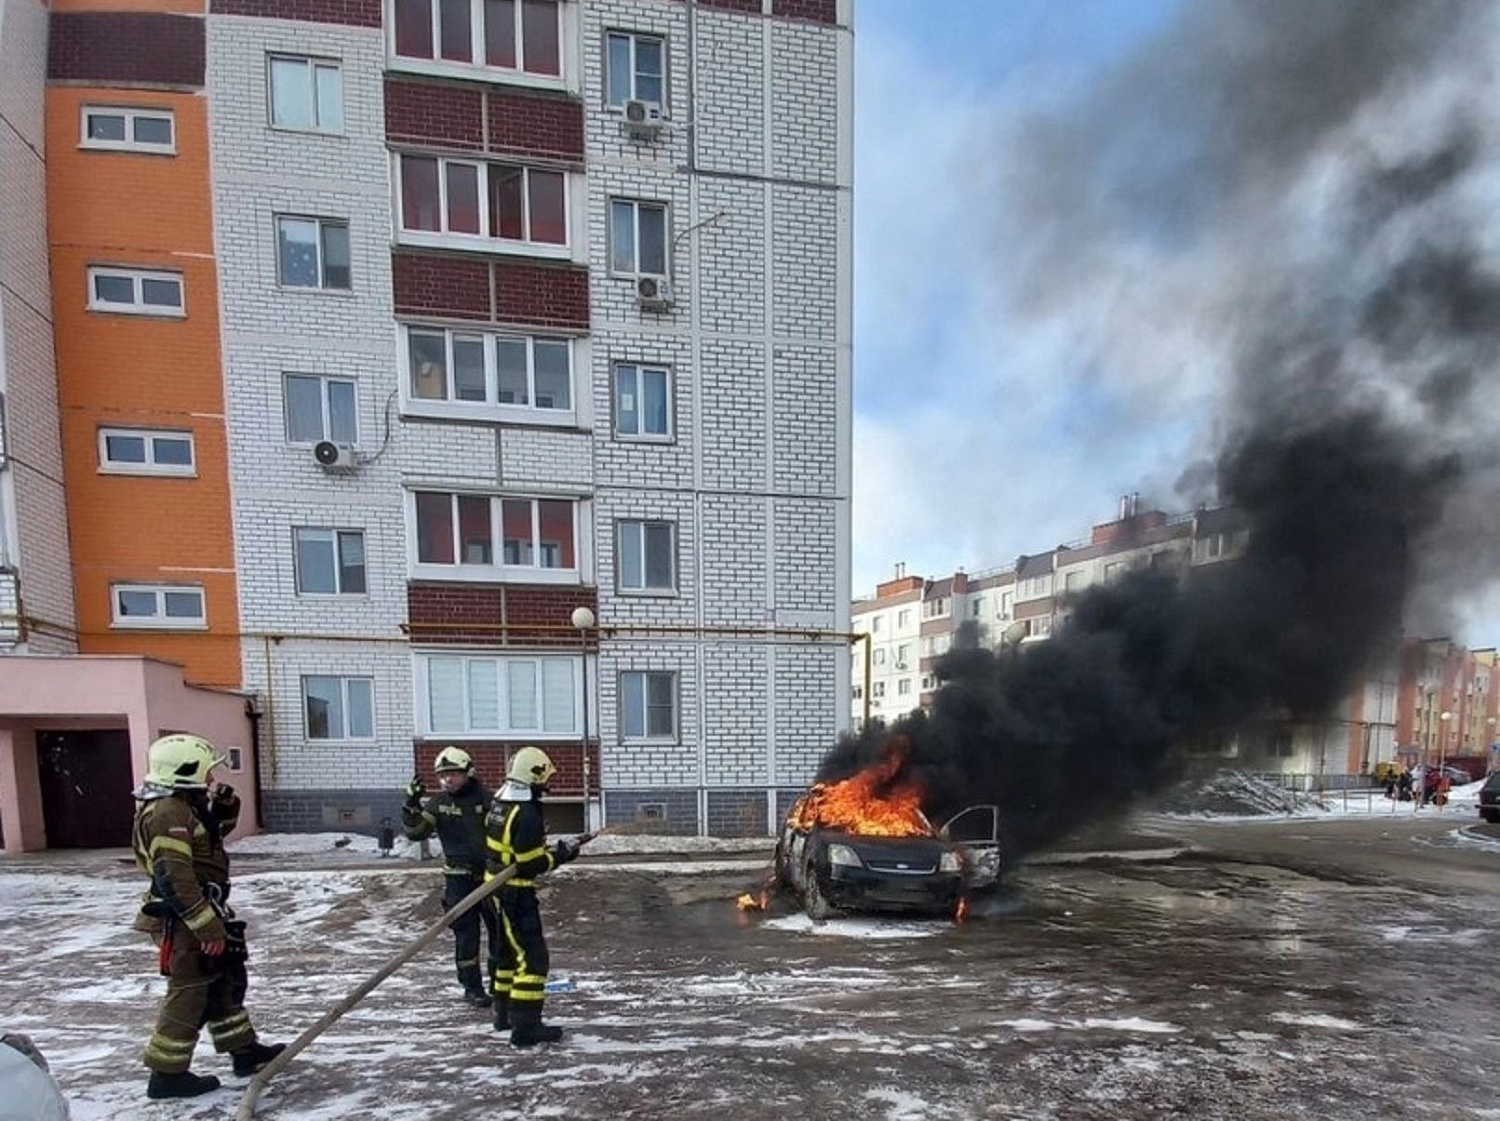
pixel 435 115
pixel 541 295
pixel 350 13
pixel 123 48
pixel 502 615
pixel 550 127
pixel 750 6
pixel 814 11
pixel 434 284
pixel 492 759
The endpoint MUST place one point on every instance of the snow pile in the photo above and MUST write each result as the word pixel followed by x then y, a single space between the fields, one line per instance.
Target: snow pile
pixel 1238 794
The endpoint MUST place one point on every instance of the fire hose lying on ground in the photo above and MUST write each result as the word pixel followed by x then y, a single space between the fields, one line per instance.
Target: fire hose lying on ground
pixel 261 1080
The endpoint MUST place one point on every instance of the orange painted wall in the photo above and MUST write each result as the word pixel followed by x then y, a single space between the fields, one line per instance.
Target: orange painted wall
pixel 128 209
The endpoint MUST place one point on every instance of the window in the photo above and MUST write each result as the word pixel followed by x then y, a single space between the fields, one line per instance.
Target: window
pixel 499 696
pixel 1113 571
pixel 1037 586
pixel 339 708
pixel 878 658
pixel 903 655
pixel 929 682
pixel 976 608
pixel 1005 604
pixel 643 396
pixel 877 624
pixel 857 692
pixel 637 238
pixel 903 618
pixel 145 451
pixel 163 606
pixel 446 198
pixel 521 35
pixel 903 687
pixel 934 608
pixel 312 253
pixel 648 705
pixel 474 370
pixel 1039 627
pixel 635 67
pixel 877 690
pixel 129 130
pixel 330 562
pixel 487 532
pixel 135 291
pixel 319 408
pixel 644 556
pixel 1073 581
pixel 307 94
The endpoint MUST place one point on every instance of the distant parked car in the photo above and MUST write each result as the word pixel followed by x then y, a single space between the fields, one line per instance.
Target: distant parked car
pixel 832 869
pixel 1489 799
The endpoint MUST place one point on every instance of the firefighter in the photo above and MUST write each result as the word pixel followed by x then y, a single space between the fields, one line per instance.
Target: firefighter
pixel 517 837
pixel 178 839
pixel 457 815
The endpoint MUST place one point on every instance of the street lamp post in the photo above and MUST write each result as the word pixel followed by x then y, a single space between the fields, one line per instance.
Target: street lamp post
pixel 583 620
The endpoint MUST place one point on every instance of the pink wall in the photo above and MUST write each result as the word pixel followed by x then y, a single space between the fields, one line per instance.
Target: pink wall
pixel 93 691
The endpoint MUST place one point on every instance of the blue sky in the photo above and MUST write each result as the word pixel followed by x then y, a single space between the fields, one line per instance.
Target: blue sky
pixel 975 439
pixel 1035 338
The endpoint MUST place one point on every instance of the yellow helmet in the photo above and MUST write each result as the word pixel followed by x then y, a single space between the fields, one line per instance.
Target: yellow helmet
pixel 453 759
pixel 181 761
pixel 531 766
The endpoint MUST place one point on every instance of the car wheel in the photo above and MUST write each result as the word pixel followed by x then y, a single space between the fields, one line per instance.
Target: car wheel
pixel 779 875
pixel 813 901
pixel 1492 816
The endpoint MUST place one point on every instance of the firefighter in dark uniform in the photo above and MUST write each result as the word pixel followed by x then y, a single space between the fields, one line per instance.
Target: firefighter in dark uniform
pixel 178 839
pixel 517 837
pixel 457 815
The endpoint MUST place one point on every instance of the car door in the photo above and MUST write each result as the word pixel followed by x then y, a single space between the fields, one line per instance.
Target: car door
pixel 975 831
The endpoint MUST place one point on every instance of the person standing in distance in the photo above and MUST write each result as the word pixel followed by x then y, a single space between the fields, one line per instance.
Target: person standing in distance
pixel 178 838
pixel 457 815
pixel 517 838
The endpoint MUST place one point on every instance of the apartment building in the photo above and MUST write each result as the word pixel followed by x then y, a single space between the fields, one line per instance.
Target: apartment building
pixel 486 381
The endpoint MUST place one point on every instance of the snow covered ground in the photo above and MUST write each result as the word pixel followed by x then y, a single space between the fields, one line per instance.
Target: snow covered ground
pixel 1193 987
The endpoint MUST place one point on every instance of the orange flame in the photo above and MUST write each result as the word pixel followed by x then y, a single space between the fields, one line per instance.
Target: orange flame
pixel 748 902
pixel 961 912
pixel 877 802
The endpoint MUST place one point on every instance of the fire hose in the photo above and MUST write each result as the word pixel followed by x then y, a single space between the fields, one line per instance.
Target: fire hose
pixel 261 1080
pixel 258 1084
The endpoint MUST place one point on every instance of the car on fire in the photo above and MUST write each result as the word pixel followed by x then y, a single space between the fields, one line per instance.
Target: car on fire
pixel 831 868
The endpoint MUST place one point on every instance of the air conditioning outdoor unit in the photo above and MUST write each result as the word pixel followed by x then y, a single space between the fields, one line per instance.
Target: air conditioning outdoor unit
pixel 642 120
pixel 334 457
pixel 654 292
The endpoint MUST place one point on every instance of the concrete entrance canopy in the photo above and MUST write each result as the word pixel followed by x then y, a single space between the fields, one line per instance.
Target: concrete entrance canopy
pixel 78 692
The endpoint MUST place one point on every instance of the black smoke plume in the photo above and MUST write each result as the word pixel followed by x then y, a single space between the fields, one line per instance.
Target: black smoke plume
pixel 1299 198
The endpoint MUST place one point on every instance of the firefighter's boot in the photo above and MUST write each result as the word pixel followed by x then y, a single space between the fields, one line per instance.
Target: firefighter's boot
pixel 502 1012
pixel 252 1057
pixel 526 1027
pixel 182 1084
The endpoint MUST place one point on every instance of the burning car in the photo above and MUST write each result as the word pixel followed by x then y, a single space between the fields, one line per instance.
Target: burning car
pixel 865 844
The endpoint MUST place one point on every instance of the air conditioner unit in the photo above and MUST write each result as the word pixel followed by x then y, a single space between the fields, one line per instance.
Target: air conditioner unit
pixel 653 292
pixel 642 120
pixel 334 457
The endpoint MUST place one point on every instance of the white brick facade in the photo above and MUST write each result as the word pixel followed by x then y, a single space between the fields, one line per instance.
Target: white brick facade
pixel 35 567
pixel 754 165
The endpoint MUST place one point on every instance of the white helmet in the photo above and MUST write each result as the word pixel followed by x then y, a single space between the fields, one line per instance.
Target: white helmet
pixel 181 761
pixel 531 766
pixel 453 759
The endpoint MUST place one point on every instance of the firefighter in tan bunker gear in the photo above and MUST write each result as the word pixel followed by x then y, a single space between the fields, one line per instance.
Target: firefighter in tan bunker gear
pixel 517 837
pixel 178 839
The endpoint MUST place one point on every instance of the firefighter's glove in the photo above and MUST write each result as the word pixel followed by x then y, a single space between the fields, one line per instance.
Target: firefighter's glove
pixel 565 850
pixel 414 792
pixel 226 803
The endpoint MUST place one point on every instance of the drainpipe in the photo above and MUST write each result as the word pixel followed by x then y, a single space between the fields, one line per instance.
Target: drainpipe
pixel 252 712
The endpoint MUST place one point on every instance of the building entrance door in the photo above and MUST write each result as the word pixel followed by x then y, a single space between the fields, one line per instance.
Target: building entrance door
pixel 85 779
